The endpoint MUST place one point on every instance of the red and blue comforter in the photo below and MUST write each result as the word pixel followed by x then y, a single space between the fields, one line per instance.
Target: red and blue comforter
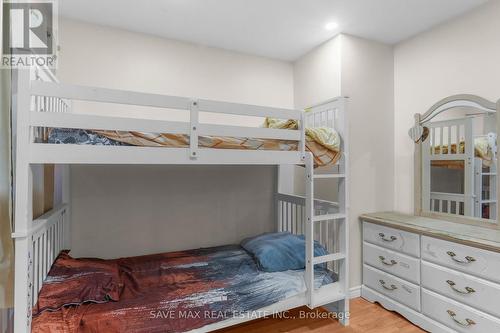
pixel 181 291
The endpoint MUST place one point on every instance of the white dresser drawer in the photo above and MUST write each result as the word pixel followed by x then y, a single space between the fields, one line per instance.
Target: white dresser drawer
pixel 464 258
pixel 393 239
pixel 457 316
pixel 398 264
pixel 400 290
pixel 466 289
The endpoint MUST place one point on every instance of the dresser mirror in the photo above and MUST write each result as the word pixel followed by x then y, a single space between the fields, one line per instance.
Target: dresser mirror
pixel 456 160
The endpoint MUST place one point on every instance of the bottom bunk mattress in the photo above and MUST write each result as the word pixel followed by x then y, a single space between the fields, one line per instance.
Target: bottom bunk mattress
pixel 170 292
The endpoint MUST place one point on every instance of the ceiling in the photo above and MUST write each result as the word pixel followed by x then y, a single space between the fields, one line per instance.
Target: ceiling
pixel 281 29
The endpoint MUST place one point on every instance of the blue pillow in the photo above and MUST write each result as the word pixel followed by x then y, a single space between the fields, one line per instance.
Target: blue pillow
pixel 276 252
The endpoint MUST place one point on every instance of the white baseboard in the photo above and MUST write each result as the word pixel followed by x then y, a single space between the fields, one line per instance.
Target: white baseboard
pixel 355 292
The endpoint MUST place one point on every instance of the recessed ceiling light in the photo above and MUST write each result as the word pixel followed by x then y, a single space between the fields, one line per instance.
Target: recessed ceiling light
pixel 331 26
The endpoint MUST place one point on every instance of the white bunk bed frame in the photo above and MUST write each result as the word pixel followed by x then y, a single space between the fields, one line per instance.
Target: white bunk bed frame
pixel 40 101
pixel 446 133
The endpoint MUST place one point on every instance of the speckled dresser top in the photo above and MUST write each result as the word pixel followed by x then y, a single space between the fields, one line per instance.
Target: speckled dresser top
pixel 480 237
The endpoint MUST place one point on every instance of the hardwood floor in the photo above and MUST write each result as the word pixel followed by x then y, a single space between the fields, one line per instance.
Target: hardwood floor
pixel 365 318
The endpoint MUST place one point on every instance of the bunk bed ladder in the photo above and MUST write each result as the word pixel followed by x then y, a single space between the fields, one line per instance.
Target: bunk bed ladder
pixel 334 296
pixel 337 292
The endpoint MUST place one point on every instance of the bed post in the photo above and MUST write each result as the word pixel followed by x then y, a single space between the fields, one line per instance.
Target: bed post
pixel 341 307
pixel 332 113
pixel 23 210
pixel 66 196
pixel 469 170
pixel 309 227
pixel 343 198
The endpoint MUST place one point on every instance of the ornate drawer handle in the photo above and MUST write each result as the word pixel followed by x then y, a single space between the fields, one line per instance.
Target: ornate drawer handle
pixel 391 239
pixel 468 290
pixel 392 287
pixel 392 263
pixel 468 322
pixel 468 259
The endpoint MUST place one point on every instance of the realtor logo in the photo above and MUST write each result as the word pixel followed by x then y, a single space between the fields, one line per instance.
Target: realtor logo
pixel 28 34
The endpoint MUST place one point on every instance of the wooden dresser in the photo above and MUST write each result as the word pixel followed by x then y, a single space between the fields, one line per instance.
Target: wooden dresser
pixel 442 276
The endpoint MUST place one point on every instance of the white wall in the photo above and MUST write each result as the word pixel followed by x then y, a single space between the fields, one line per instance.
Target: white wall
pixel 368 80
pixel 317 79
pixel 317 74
pixel 119 211
pixel 362 70
pixel 107 57
pixel 461 56
pixel 133 210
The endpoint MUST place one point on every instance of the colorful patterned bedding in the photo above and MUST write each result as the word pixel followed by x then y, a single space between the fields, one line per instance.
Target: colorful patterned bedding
pixel 181 291
pixel 323 143
pixel 483 149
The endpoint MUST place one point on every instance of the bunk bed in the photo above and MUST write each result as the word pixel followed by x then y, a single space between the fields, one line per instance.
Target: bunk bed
pixel 48 132
pixel 452 145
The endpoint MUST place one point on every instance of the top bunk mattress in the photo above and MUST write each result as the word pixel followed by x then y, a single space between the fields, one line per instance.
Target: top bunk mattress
pixel 323 143
pixel 178 292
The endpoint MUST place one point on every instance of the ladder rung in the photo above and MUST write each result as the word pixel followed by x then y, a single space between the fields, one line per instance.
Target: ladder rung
pixel 328 258
pixel 326 217
pixel 326 175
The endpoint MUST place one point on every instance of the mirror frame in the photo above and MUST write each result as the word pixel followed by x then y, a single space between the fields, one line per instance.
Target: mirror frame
pixel 462 100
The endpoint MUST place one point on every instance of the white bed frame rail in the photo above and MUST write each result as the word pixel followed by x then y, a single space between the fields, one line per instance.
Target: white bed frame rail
pixel 327 114
pixel 51 117
pixel 48 238
pixel 291 218
pixel 41 102
pixel 451 203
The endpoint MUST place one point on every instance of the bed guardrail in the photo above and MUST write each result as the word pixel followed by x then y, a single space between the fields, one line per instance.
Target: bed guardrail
pixel 291 208
pixel 54 96
pixel 47 104
pixel 291 218
pixel 44 103
pixel 322 117
pixel 451 203
pixel 47 238
pixel 450 139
